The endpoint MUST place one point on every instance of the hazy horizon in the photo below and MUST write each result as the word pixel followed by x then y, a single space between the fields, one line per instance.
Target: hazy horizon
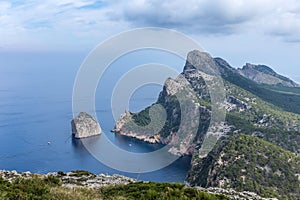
pixel 260 32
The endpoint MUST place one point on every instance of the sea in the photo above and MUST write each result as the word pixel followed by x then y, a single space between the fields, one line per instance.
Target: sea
pixel 36 111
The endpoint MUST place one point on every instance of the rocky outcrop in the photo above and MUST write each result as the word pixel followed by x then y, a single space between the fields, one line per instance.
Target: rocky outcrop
pixel 84 125
pixel 252 108
pixel 238 103
pixel 77 178
pixel 190 82
pixel 198 70
pixel 124 127
pixel 85 179
pixel 264 74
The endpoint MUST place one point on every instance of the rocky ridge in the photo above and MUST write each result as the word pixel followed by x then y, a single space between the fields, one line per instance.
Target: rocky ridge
pixel 168 98
pixel 267 111
pixel 239 102
pixel 264 74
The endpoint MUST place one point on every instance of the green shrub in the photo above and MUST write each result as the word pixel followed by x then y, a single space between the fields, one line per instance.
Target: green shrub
pixel 81 173
pixel 151 190
pixel 52 180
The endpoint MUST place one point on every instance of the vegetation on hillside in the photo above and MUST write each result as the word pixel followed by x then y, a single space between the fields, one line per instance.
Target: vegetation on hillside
pixel 247 163
pixel 288 140
pixel 152 190
pixel 264 120
pixel 277 126
pixel 287 101
pixel 266 160
pixel 37 188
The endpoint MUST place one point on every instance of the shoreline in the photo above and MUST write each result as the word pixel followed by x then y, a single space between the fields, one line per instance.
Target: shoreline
pixel 142 138
pixel 157 140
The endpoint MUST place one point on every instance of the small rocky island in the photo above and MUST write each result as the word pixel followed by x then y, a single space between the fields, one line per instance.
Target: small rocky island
pixel 84 125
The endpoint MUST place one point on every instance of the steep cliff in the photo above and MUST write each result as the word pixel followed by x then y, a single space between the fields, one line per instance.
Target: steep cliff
pixel 264 106
pixel 266 111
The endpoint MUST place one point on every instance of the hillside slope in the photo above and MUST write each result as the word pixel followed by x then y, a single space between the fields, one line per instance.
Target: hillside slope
pixel 248 163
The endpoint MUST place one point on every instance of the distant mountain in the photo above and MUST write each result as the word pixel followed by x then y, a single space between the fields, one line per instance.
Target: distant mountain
pixel 268 109
pixel 266 75
pixel 286 98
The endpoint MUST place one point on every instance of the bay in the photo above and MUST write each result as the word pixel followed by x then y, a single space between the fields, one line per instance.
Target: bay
pixel 36 110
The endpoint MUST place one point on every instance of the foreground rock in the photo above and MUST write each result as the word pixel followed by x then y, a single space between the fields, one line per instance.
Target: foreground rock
pixel 72 179
pixel 84 125
pixel 84 179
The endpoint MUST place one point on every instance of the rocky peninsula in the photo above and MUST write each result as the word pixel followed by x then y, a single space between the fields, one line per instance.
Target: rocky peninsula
pixel 262 109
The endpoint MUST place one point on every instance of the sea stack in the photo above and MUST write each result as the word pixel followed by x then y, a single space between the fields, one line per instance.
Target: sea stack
pixel 84 125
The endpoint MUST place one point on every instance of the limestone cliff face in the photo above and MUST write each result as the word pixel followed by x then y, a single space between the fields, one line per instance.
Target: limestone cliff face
pixel 250 107
pixel 266 111
pixel 124 127
pixel 197 66
pixel 84 125
pixel 264 74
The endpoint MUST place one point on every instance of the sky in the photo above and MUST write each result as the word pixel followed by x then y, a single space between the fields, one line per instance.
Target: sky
pixel 240 31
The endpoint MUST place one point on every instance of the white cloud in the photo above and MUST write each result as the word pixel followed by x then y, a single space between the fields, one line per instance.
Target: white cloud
pixel 194 14
pixel 54 24
pixel 64 22
pixel 77 4
pixel 286 26
pixel 280 17
pixel 4 6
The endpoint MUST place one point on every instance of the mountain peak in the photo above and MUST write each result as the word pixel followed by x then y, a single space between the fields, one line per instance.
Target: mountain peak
pixel 196 56
pixel 260 68
pixel 199 60
pixel 266 75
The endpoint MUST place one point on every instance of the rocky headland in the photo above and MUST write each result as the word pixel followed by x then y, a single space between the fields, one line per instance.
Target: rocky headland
pixel 259 103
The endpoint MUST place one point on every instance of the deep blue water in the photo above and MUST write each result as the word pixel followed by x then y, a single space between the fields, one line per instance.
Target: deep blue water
pixel 36 108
